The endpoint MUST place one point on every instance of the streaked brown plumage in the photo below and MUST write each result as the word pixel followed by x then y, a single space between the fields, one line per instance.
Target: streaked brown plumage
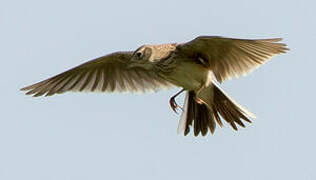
pixel 193 66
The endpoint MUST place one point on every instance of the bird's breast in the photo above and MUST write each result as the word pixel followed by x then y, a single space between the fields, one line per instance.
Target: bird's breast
pixel 189 75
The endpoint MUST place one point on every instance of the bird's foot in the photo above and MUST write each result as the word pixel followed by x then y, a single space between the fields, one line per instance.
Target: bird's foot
pixel 174 106
pixel 198 100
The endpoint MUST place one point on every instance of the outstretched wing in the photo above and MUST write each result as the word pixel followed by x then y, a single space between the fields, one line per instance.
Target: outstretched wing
pixel 106 74
pixel 229 57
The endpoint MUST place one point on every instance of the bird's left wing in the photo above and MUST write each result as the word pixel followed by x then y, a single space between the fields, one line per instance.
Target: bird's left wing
pixel 105 74
pixel 228 57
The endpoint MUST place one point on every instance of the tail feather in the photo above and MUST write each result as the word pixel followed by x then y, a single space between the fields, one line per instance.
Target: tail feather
pixel 204 119
pixel 185 113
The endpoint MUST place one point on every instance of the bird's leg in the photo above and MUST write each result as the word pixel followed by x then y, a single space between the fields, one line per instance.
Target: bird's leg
pixel 198 100
pixel 173 103
pixel 205 95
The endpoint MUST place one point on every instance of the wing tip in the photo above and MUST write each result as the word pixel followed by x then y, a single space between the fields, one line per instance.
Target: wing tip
pixel 272 39
pixel 25 88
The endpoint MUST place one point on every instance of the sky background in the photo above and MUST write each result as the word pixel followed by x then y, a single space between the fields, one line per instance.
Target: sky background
pixel 78 136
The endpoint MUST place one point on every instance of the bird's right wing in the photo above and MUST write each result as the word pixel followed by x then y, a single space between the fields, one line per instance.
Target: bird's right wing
pixel 106 74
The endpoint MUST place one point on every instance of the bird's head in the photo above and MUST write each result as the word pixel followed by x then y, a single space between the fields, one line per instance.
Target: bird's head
pixel 143 57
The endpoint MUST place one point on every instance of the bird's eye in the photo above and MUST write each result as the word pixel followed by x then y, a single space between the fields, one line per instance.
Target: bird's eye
pixel 138 54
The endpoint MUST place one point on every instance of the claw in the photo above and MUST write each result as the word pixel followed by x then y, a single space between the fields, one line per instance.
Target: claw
pixel 174 106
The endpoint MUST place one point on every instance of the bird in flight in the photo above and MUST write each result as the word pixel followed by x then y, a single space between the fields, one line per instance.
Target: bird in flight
pixel 194 66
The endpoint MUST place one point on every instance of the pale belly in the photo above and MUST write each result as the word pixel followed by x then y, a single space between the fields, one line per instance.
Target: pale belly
pixel 190 76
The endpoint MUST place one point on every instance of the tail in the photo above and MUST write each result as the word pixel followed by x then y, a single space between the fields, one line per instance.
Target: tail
pixel 205 117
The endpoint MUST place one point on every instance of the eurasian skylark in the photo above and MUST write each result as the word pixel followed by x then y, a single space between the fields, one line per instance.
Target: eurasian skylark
pixel 194 66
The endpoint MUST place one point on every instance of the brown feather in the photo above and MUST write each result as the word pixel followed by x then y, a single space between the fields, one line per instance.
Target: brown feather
pixel 108 73
pixel 228 57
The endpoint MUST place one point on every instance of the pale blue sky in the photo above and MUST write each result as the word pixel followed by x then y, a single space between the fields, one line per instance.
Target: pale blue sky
pixel 77 136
